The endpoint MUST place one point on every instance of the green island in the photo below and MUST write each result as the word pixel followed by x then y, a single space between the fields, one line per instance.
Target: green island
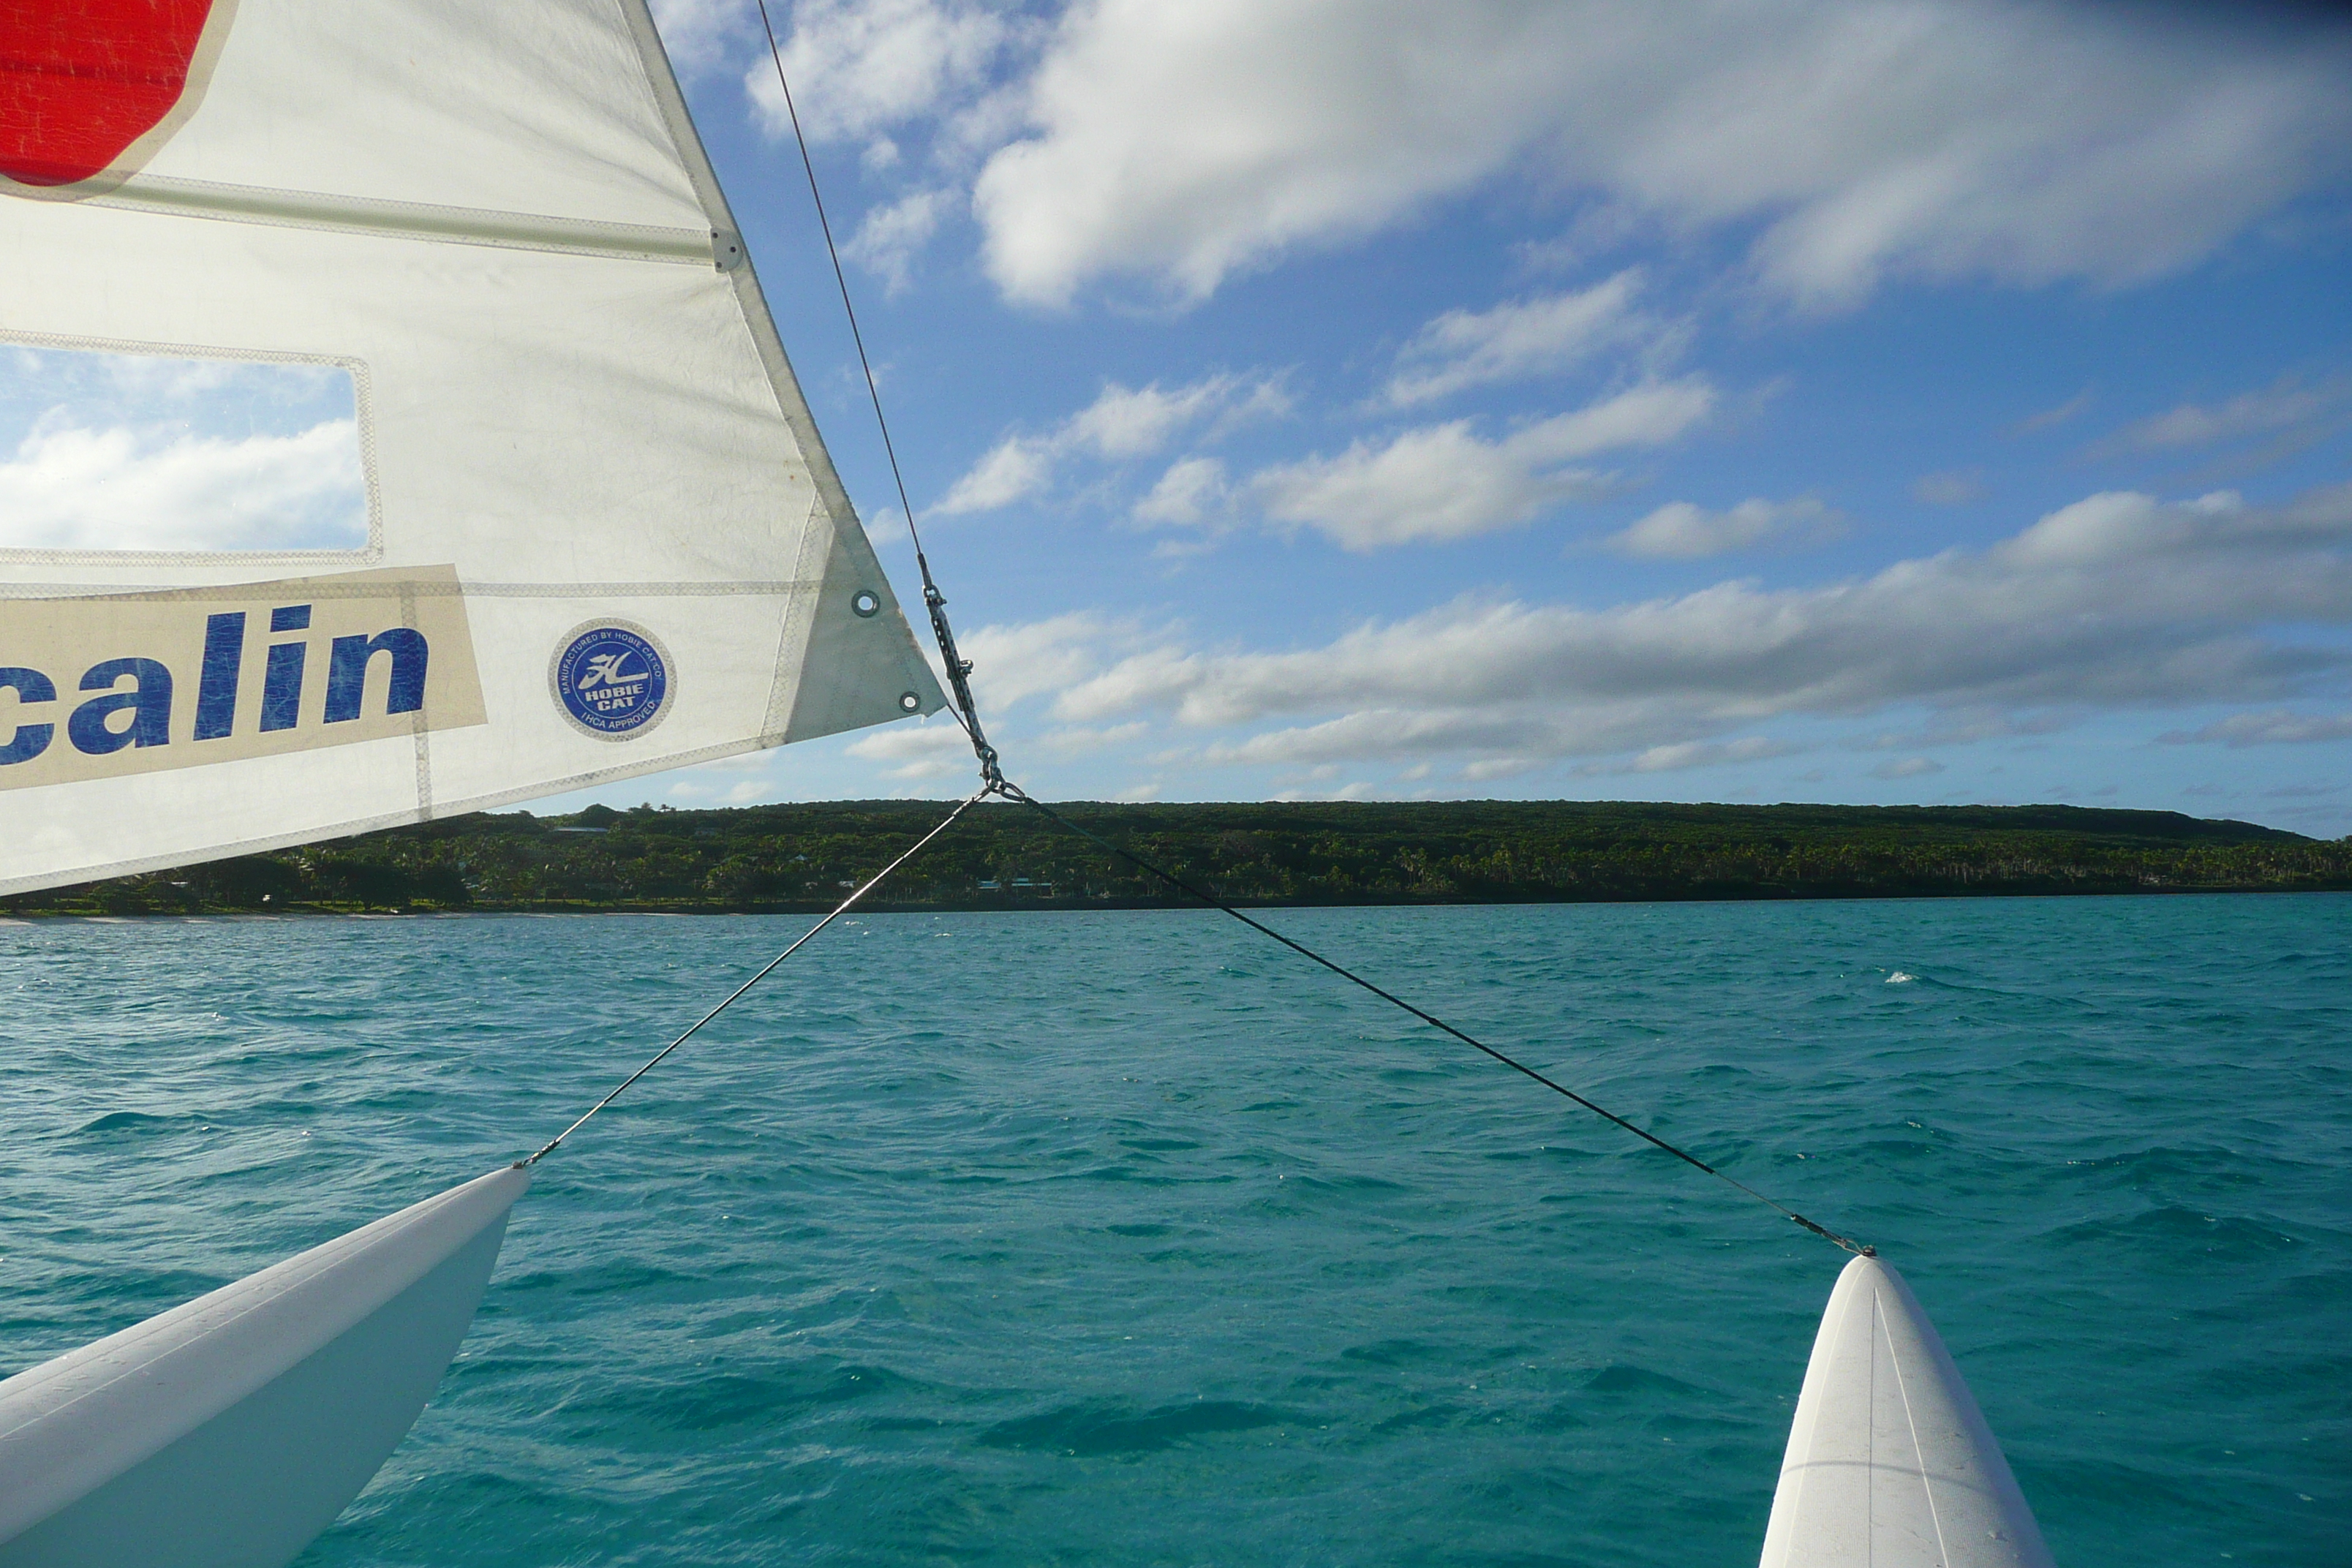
pixel 806 858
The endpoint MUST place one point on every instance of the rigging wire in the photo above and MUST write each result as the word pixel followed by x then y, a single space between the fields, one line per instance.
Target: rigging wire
pixel 993 782
pixel 1014 792
pixel 871 883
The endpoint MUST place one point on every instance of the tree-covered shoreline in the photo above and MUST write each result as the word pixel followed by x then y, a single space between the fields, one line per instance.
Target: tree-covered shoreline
pixel 804 858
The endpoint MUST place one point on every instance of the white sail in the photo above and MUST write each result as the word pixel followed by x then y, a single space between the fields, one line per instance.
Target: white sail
pixel 1890 1463
pixel 226 1433
pixel 601 535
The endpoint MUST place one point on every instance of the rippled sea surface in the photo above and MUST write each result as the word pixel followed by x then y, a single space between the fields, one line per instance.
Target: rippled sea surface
pixel 1130 1239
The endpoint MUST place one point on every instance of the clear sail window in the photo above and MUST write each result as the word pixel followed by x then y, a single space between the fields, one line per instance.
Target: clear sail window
pixel 153 452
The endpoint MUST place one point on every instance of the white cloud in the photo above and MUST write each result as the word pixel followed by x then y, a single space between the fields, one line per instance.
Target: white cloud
pixel 858 67
pixel 1358 789
pixel 1011 663
pixel 2022 140
pixel 125 487
pixel 1907 768
pixel 1696 754
pixel 1440 482
pixel 698 34
pixel 1016 466
pixel 742 792
pixel 1514 341
pixel 2275 726
pixel 1681 532
pixel 1122 424
pixel 1443 481
pixel 1077 739
pixel 1960 725
pixel 1191 494
pixel 2118 600
pixel 928 749
pixel 1953 487
pixel 887 240
pixel 2282 407
pixel 2051 419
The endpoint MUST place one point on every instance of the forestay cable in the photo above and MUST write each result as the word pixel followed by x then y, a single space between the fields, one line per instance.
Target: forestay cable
pixel 871 883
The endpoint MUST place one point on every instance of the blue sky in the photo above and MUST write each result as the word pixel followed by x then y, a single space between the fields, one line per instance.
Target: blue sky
pixel 1864 401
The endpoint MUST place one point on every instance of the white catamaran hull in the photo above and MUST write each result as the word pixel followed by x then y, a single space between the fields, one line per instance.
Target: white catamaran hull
pixel 1890 1463
pixel 226 1433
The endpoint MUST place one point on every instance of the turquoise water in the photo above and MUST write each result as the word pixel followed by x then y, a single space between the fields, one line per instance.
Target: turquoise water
pixel 1127 1239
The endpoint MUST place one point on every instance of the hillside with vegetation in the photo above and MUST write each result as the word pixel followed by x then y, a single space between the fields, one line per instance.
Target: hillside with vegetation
pixel 795 857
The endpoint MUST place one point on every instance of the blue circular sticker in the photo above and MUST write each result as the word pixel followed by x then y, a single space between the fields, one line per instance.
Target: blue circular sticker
pixel 613 680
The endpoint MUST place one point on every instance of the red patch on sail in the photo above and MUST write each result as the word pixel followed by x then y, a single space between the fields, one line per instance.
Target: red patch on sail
pixel 81 80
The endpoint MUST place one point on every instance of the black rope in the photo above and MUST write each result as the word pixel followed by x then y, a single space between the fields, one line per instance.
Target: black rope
pixel 959 668
pixel 1014 792
pixel 871 883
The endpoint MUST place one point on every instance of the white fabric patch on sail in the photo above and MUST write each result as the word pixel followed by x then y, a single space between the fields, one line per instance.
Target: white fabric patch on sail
pixel 604 537
pixel 232 1429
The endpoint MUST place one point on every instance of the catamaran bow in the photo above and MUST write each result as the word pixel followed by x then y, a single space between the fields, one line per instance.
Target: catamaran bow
pixel 228 1432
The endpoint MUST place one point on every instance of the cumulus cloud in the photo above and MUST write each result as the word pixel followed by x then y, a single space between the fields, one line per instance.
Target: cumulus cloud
pixel 1445 481
pixel 889 237
pixel 698 34
pixel 1680 530
pixel 70 486
pixel 1122 424
pixel 1052 655
pixel 859 67
pixel 1017 466
pixel 927 749
pixel 1512 342
pixel 1191 494
pixel 2272 727
pixel 2118 600
pixel 2020 141
pixel 1077 739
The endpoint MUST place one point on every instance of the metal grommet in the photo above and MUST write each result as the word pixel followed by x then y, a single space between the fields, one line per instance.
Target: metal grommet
pixel 865 602
pixel 912 702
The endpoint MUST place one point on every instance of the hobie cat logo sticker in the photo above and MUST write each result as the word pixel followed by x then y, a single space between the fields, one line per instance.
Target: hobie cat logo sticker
pixel 612 679
pixel 90 90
